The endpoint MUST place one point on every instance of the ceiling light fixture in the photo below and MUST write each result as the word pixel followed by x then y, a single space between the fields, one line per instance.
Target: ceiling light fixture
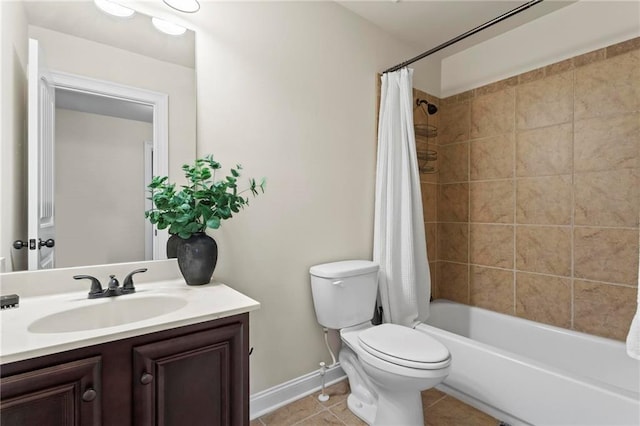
pixel 113 8
pixel 187 6
pixel 168 27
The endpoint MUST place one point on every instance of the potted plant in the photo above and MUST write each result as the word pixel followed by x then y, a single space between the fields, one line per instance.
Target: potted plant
pixel 187 213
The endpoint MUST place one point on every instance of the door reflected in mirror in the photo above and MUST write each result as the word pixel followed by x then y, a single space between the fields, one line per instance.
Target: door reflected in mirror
pixel 104 151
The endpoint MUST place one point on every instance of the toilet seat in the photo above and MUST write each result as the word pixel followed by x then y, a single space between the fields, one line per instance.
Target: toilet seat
pixel 404 346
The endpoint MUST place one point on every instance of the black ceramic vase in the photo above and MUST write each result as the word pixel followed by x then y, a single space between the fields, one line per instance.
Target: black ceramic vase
pixel 172 246
pixel 197 258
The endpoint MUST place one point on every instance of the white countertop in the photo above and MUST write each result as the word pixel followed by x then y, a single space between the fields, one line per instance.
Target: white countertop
pixel 201 303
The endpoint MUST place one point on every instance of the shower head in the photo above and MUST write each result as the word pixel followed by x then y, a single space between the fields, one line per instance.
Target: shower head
pixel 431 108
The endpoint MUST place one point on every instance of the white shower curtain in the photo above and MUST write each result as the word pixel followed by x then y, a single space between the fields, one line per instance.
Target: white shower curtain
pixel 399 244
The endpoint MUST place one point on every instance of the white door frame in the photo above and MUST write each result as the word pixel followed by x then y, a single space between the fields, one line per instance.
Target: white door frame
pixel 159 102
pixel 41 224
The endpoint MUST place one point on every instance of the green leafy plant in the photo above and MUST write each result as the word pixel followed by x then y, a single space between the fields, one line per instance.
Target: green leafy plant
pixel 204 203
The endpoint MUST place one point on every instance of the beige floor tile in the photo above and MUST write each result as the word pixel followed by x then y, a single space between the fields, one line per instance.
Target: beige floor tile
pixel 337 392
pixel 323 418
pixel 439 410
pixel 343 413
pixel 451 412
pixel 294 412
pixel 431 396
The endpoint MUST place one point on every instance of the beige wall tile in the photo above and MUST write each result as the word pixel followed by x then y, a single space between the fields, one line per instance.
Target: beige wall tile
pixel 544 151
pixel 433 274
pixel 623 47
pixel 453 242
pixel 608 87
pixel 429 201
pixel 492 114
pixel 559 67
pixel 544 200
pixel 544 298
pixel 532 75
pixel 606 254
pixel 492 201
pixel 496 86
pixel 491 245
pixel 428 177
pixel 603 309
pixel 491 289
pixel 607 143
pixel 589 58
pixel 544 249
pixel 607 198
pixel 454 163
pixel 454 123
pixel 453 202
pixel 453 281
pixel 430 230
pixel 545 102
pixel 492 158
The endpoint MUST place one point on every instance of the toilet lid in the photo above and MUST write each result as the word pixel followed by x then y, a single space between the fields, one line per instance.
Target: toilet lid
pixel 403 346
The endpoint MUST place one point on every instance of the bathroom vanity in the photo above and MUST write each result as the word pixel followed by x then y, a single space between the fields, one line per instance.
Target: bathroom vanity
pixel 169 354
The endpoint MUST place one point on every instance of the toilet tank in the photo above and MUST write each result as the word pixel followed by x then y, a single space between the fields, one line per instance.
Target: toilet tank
pixel 344 293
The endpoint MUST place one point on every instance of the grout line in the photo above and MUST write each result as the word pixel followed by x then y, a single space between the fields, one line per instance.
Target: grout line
pixel 515 199
pixel 573 202
pixel 469 208
pixel 436 401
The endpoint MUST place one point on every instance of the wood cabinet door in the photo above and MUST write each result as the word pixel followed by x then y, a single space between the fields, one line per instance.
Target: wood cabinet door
pixel 195 379
pixel 61 395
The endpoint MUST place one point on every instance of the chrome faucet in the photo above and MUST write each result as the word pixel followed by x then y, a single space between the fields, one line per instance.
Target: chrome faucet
pixel 113 288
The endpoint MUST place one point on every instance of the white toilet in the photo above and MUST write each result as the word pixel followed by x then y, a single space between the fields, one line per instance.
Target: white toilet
pixel 388 365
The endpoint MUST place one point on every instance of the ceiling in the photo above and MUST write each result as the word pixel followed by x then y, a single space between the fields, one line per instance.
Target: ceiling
pixel 427 24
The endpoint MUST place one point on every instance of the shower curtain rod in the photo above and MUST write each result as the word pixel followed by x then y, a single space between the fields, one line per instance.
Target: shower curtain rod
pixel 465 35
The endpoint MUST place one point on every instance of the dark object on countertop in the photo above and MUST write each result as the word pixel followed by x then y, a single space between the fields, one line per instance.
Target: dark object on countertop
pixel 9 301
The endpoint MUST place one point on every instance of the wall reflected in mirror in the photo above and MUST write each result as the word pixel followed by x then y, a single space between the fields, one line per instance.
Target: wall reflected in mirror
pixel 101 155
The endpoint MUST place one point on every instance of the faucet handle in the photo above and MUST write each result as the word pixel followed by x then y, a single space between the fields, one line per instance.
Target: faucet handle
pixel 96 288
pixel 127 285
pixel 113 282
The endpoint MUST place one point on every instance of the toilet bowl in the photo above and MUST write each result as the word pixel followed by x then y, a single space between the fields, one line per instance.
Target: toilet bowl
pixel 388 365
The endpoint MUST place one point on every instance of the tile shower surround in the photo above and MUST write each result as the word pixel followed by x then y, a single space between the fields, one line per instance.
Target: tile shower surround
pixel 534 211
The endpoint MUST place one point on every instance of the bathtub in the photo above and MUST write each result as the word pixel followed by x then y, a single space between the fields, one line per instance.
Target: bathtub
pixel 526 373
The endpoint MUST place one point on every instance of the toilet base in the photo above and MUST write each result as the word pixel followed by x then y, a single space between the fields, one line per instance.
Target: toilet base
pixel 366 412
pixel 399 408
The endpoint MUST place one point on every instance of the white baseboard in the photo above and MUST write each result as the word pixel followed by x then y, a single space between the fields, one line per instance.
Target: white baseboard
pixel 268 400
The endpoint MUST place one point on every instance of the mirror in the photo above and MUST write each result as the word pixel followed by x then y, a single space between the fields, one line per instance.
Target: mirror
pixel 103 152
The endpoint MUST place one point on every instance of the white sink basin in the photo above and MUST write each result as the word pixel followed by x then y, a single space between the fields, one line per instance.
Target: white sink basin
pixel 107 313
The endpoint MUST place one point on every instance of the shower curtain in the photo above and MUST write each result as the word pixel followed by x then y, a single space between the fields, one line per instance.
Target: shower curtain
pixel 399 244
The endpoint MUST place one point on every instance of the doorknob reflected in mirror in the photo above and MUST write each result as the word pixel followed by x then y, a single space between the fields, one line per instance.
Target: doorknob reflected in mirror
pixel 50 243
pixel 18 244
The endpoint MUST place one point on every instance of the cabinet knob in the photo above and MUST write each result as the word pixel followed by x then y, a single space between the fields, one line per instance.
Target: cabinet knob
pixel 146 379
pixel 89 395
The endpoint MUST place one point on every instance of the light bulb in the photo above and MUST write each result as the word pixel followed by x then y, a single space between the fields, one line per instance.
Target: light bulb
pixel 168 27
pixel 113 8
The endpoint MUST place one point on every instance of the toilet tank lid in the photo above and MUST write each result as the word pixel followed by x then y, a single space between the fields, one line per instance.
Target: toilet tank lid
pixel 345 268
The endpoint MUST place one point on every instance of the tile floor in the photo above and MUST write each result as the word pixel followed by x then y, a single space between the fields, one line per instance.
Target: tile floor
pixel 440 410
